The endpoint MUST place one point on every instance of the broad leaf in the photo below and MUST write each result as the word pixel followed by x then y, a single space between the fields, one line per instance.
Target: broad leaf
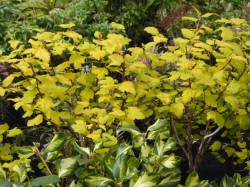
pixel 66 166
pixel 50 179
pixel 56 143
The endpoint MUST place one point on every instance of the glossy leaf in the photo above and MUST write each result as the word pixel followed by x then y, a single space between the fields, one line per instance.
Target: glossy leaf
pixel 66 166
pixel 56 143
pixel 50 179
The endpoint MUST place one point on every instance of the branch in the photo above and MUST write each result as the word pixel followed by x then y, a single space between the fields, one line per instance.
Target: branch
pixel 177 136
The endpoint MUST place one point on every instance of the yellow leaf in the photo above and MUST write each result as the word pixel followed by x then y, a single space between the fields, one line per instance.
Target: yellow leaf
pixel 169 57
pixel 43 55
pixel 159 38
pixel 187 95
pixel 67 26
pixel 188 33
pixel 4 128
pixel 152 30
pixel 164 97
pixel 80 127
pixel 14 43
pixel 36 121
pixel 135 113
pixel 217 117
pixel 77 60
pixel 97 54
pixel 227 33
pixel 189 18
pixel 117 26
pixel 100 72
pixel 108 140
pixel 208 15
pixel 75 36
pixel 2 91
pixel 177 109
pixel 116 59
pixel 14 132
pixel 117 113
pixel 98 35
pixel 8 80
pixel 95 136
pixel 127 86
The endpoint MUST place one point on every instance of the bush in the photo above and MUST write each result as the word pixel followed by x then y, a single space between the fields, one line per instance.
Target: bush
pixel 86 93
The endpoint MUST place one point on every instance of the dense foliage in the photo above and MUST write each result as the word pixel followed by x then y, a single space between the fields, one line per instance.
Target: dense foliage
pixel 106 114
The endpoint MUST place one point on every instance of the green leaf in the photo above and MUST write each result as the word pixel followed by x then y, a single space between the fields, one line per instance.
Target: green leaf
pixel 96 181
pixel 152 30
pixel 192 180
pixel 21 171
pixel 134 130
pixel 170 161
pixel 56 143
pixel 123 149
pixel 66 166
pixel 14 132
pixel 171 180
pixel 120 167
pixel 161 146
pixel 81 150
pixel 50 179
pixel 159 124
pixel 215 146
pixel 227 182
pixel 145 181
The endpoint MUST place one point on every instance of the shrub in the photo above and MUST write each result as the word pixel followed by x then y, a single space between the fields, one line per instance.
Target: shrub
pixel 87 92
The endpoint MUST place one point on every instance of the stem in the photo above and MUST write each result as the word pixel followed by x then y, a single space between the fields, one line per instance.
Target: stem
pixel 177 136
pixel 203 146
pixel 41 157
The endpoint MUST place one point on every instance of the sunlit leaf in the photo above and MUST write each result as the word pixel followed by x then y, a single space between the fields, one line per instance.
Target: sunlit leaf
pixel 117 26
pixel 152 30
pixel 14 132
pixel 36 121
